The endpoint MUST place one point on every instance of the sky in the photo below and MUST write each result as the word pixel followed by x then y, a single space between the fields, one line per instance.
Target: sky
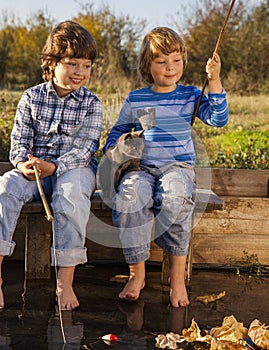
pixel 157 12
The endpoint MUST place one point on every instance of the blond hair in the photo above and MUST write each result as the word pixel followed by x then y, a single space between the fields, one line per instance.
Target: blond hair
pixel 159 39
pixel 67 39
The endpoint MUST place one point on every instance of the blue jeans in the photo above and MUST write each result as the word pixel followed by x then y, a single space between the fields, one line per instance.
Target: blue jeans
pixel 70 199
pixel 155 204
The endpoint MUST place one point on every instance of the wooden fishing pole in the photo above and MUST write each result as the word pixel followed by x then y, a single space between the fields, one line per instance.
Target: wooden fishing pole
pixel 215 51
pixel 49 216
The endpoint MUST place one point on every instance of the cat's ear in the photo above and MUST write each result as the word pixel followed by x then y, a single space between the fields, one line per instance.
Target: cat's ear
pixel 140 133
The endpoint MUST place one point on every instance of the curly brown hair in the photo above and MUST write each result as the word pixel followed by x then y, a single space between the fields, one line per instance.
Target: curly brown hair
pixel 159 39
pixel 67 39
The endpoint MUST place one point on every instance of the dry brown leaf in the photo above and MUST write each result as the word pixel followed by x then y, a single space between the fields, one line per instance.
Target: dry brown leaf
pixel 230 336
pixel 210 297
pixel 169 341
pixel 192 333
pixel 231 330
pixel 259 334
pixel 119 278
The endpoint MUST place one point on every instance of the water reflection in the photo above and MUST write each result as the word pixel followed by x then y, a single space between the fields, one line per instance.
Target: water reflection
pixel 5 340
pixel 66 335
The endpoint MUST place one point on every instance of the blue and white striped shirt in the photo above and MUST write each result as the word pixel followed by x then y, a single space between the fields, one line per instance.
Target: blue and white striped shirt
pixel 166 118
pixel 66 130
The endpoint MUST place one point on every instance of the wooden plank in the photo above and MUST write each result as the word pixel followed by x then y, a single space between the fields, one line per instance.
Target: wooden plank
pixel 38 243
pixel 241 215
pixel 229 226
pixel 33 207
pixel 219 249
pixel 234 182
pixel 100 252
pixel 4 167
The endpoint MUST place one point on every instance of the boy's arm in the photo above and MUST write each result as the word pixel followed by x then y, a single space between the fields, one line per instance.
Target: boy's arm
pixel 214 110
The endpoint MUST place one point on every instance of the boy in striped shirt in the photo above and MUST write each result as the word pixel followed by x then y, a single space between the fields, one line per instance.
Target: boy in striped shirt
pixel 156 202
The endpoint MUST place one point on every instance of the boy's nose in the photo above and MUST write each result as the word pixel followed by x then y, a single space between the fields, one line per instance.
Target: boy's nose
pixel 78 69
pixel 170 67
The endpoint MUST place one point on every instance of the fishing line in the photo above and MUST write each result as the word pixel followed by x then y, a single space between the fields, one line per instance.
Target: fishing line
pixel 215 51
pixel 50 218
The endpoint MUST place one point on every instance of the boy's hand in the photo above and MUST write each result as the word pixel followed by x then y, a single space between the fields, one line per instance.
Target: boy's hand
pixel 213 67
pixel 26 168
pixel 213 74
pixel 44 168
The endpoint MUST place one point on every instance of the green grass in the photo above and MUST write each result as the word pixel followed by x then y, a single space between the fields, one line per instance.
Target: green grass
pixel 243 142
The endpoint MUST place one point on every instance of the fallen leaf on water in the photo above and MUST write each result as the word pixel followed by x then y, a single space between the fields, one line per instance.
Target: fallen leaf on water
pixel 119 278
pixel 259 334
pixel 192 333
pixel 210 297
pixel 169 341
pixel 231 330
pixel 230 336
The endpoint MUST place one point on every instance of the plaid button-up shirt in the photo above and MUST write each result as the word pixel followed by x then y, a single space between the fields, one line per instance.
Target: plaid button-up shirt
pixel 65 130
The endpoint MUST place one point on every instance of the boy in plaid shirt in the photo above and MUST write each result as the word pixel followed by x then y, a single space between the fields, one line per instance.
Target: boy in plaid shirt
pixel 57 128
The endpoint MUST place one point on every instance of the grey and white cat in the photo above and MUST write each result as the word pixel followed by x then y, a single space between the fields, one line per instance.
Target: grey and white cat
pixel 125 157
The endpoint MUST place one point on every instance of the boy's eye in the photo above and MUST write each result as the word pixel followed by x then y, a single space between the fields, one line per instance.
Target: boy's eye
pixel 70 63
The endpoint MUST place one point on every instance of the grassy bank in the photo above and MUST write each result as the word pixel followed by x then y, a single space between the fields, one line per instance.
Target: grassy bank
pixel 243 143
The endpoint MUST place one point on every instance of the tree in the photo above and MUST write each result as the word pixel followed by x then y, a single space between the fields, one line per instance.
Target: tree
pixel 117 39
pixel 250 70
pixel 245 63
pixel 202 30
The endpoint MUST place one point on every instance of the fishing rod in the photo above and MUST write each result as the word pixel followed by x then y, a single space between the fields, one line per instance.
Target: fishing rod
pixel 215 51
pixel 50 218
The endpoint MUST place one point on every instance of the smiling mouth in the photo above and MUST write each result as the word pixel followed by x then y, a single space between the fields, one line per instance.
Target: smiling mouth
pixel 76 81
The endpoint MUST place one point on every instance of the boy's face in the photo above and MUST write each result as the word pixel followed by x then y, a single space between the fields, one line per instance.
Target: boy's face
pixel 166 71
pixel 70 74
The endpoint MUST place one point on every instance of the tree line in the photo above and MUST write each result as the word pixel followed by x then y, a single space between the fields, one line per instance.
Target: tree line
pixel 245 62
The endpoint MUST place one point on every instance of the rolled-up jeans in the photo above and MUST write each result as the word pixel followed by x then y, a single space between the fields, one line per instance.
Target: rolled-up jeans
pixel 155 204
pixel 70 199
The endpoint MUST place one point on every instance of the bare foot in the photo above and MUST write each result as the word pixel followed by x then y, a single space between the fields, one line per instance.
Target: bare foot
pixel 178 292
pixel 179 295
pixel 136 282
pixel 2 303
pixel 132 289
pixel 66 298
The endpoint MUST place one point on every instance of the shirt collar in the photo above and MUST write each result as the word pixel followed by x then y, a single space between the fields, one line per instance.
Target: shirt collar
pixel 76 94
